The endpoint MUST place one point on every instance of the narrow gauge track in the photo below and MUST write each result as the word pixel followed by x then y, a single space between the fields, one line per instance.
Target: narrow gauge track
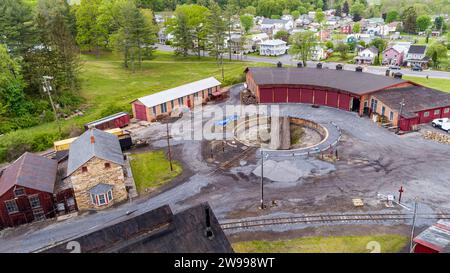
pixel 330 218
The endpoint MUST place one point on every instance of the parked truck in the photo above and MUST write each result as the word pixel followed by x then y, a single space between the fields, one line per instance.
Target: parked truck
pixel 442 123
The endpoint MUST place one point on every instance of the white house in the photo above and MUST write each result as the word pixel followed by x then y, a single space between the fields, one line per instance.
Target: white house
pixel 318 53
pixel 416 56
pixel 272 26
pixel 258 38
pixel 272 48
pixel 367 55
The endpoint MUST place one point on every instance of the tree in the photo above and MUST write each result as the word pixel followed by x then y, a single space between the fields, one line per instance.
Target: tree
pixel 282 35
pixel 345 8
pixel 302 44
pixel 248 10
pixel 302 10
pixel 230 12
pixel 90 34
pixel 357 10
pixel 182 34
pixel 320 16
pixel 267 8
pixel 342 49
pixel 409 18
pixel 423 22
pixel 247 22
pixel 295 14
pixel 329 45
pixel 216 31
pixel 437 52
pixel 380 44
pixel 391 16
pixel 356 28
pixel 338 11
pixel 439 23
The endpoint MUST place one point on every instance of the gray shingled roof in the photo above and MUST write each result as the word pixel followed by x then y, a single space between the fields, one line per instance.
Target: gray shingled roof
pixel 350 81
pixel 106 146
pixel 268 21
pixel 416 98
pixel 30 171
pixel 417 49
pixel 100 188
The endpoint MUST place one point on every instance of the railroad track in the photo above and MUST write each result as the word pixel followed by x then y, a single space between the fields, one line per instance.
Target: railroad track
pixel 240 156
pixel 330 218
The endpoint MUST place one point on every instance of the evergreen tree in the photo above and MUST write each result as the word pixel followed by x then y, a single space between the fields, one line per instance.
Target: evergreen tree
pixel 409 18
pixel 182 34
pixel 345 8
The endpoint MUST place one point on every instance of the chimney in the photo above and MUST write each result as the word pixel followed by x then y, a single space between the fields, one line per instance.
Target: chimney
pixel 398 75
pixel 339 67
pixel 279 64
pixel 208 232
pixel 92 139
pixel 319 65
pixel 359 69
pixel 299 64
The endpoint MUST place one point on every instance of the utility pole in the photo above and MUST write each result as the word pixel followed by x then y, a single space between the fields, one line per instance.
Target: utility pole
pixel 47 87
pixel 413 227
pixel 262 179
pixel 168 147
pixel 402 104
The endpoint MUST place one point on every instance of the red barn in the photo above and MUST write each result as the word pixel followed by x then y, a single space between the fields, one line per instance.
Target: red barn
pixel 26 190
pixel 435 239
pixel 117 120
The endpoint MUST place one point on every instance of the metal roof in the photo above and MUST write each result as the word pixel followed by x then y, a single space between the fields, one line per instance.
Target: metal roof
pixel 436 237
pixel 417 49
pixel 416 98
pixel 30 171
pixel 105 119
pixel 273 42
pixel 106 146
pixel 101 188
pixel 351 81
pixel 268 21
pixel 178 92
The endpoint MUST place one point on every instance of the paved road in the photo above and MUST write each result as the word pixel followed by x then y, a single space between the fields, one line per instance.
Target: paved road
pixel 287 59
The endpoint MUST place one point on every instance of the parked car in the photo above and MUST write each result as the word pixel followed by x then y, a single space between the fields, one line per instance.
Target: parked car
pixel 416 68
pixel 394 67
pixel 443 123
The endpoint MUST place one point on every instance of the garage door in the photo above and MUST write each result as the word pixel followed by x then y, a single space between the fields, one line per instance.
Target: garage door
pixel 332 99
pixel 319 97
pixel 280 95
pixel 265 95
pixel 141 112
pixel 293 95
pixel 306 96
pixel 344 102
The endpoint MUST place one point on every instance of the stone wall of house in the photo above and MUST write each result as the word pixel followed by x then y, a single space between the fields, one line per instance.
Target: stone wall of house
pixel 96 174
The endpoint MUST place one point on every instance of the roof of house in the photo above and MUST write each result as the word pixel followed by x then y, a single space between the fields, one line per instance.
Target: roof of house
pixel 105 119
pixel 417 49
pixel 416 98
pixel 178 92
pixel 436 237
pixel 268 21
pixel 101 188
pixel 273 42
pixel 350 81
pixel 106 146
pixel 155 231
pixel 30 171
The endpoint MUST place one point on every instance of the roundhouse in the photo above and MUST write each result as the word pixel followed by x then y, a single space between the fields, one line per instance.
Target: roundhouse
pixel 349 90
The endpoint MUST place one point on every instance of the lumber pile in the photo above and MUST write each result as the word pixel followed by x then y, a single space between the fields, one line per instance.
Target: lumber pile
pixel 248 98
pixel 436 136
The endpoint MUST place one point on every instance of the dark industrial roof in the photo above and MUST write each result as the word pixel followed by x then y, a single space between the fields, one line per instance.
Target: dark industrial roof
pixel 417 49
pixel 30 171
pixel 156 231
pixel 105 119
pixel 101 188
pixel 268 21
pixel 416 98
pixel 350 81
pixel 106 146
pixel 436 237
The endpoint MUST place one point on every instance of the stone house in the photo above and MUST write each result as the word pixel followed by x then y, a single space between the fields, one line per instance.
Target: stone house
pixel 96 169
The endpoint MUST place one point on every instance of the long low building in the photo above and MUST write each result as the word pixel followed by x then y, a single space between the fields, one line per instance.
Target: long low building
pixel 151 107
pixel 364 93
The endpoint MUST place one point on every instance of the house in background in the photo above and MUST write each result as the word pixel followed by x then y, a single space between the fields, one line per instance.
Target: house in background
pixel 367 56
pixel 272 26
pixel 416 56
pixel 272 48
pixel 346 29
pixel 435 239
pixel 318 53
pixel 96 170
pixel 27 190
pixel 392 56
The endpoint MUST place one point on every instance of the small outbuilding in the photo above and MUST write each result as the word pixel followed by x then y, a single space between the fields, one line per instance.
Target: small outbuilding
pixel 435 239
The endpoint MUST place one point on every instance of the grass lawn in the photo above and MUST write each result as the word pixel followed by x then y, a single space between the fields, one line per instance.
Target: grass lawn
pixel 336 57
pixel 436 83
pixel 107 88
pixel 152 170
pixel 340 244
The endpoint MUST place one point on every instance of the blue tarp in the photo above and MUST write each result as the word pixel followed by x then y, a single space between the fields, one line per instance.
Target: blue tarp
pixel 227 120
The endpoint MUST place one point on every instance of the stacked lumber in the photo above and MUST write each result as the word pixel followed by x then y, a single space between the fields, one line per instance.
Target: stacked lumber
pixel 248 98
pixel 436 136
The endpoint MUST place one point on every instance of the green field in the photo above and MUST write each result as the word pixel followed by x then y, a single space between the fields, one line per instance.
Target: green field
pixel 436 83
pixel 336 57
pixel 152 170
pixel 107 88
pixel 339 244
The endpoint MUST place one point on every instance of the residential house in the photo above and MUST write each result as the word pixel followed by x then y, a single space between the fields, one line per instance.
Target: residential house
pixel 367 56
pixel 393 26
pixel 272 26
pixel 27 190
pixel 96 170
pixel 378 30
pixel 257 39
pixel 392 56
pixel 346 29
pixel 318 53
pixel 275 47
pixel 416 56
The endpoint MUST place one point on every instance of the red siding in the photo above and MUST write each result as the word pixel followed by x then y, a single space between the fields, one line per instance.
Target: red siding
pixel 141 112
pixel 293 95
pixel 344 102
pixel 406 124
pixel 446 115
pixel 320 97
pixel 306 96
pixel 332 99
pixel 265 95
pixel 280 95
pixel 418 248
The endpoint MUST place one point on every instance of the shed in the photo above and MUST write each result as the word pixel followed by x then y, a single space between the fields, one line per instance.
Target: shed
pixel 435 239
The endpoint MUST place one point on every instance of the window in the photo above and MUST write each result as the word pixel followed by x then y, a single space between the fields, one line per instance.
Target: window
pixel 110 197
pixel 19 192
pixel 84 169
pixel 383 110
pixel 107 165
pixel 11 206
pixel 195 95
pixel 437 112
pixel 391 115
pixel 209 91
pixel 446 110
pixel 171 104
pixel 34 201
pixel 426 114
pixel 154 110
pixel 163 108
pixel 101 199
pixel 180 101
pixel 38 214
pixel 93 199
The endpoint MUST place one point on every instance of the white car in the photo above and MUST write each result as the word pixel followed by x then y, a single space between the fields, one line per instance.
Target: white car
pixel 443 123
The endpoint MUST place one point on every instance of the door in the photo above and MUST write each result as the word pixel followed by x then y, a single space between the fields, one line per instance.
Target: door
pixel 265 95
pixel 332 99
pixel 344 102
pixel 293 95
pixel 280 95
pixel 306 96
pixel 320 97
pixel 141 111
